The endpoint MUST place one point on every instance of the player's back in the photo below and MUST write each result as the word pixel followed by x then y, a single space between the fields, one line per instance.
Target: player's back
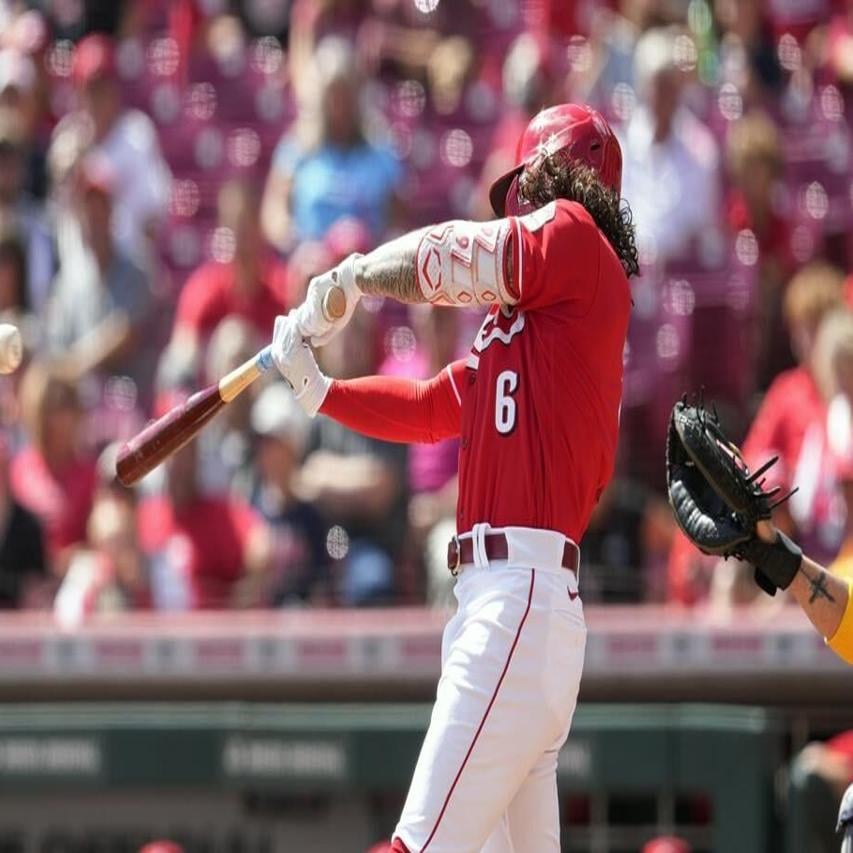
pixel 540 414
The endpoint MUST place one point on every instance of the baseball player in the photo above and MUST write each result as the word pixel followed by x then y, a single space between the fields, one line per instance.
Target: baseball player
pixel 536 406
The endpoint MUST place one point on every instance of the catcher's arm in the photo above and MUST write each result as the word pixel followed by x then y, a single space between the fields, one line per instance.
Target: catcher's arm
pixel 825 598
pixel 723 509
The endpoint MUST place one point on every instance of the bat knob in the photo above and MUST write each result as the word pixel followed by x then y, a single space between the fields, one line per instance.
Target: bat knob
pixel 334 303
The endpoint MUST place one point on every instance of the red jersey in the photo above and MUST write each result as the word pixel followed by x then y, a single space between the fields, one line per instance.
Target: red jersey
pixel 542 386
pixel 537 400
pixel 210 295
pixel 791 408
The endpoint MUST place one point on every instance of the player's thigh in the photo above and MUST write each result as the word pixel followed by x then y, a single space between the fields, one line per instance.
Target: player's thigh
pixel 533 816
pixel 500 841
pixel 532 820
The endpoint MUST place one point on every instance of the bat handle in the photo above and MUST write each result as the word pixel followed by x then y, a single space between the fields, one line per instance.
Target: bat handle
pixel 241 377
pixel 264 359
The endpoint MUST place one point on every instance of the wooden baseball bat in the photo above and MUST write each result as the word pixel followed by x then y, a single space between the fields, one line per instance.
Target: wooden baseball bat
pixel 169 433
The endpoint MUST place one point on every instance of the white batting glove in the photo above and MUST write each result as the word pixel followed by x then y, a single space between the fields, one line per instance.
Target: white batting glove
pixel 295 361
pixel 309 315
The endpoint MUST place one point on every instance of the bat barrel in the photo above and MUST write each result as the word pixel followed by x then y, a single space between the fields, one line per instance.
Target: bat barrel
pixel 165 436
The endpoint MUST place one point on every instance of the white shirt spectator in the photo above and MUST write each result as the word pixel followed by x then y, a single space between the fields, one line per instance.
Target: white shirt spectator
pixel 144 180
pixel 672 185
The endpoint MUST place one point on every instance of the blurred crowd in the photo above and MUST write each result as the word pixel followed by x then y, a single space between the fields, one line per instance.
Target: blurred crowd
pixel 173 172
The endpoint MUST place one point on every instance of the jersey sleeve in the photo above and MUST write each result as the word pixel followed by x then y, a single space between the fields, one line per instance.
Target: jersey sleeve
pixel 398 409
pixel 555 257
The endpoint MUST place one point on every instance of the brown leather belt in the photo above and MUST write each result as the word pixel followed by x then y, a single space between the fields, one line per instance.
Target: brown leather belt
pixel 461 551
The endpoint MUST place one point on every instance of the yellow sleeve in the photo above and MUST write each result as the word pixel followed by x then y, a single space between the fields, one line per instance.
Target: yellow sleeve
pixel 841 642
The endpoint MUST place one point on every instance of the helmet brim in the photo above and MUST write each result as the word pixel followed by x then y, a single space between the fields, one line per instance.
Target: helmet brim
pixel 499 189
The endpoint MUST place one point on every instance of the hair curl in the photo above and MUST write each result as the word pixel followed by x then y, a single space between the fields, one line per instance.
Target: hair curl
pixel 555 176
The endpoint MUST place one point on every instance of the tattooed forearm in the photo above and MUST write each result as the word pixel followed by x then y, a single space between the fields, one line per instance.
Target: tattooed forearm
pixel 817 586
pixel 390 270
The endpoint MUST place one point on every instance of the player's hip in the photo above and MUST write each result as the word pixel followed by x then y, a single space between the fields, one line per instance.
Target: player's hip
pixel 516 576
pixel 498 554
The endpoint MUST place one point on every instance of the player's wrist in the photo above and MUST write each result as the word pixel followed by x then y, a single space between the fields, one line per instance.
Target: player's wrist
pixel 309 384
pixel 296 363
pixel 314 390
pixel 347 271
pixel 312 318
pixel 776 562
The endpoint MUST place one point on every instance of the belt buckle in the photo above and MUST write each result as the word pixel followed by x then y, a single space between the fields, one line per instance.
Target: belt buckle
pixel 454 555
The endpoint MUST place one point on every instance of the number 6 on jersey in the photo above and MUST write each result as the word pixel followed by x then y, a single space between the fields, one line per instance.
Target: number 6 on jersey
pixel 505 405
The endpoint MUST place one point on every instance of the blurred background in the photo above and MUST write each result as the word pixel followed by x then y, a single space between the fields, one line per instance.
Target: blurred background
pixel 172 173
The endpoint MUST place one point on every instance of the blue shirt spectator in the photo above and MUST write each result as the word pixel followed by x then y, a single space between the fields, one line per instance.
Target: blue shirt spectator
pixel 326 168
pixel 332 182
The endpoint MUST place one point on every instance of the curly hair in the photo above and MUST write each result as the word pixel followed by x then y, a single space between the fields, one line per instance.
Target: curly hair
pixel 555 176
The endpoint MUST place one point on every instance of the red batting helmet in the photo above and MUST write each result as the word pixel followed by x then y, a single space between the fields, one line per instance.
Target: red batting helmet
pixel 578 130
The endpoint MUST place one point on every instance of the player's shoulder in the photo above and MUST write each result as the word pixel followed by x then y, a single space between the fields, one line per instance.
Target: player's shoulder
pixel 561 214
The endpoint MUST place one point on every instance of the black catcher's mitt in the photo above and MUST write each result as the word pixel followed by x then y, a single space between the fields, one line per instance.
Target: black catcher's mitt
pixel 716 500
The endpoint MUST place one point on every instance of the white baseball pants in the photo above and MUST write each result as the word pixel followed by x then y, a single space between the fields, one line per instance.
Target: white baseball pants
pixel 486 777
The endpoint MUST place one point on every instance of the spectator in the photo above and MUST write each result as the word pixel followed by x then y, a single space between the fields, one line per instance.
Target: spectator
pixel 307 260
pixel 205 552
pixel 100 311
pixel 793 409
pixel 299 556
pixel 356 482
pixel 15 305
pixel 610 63
pixel 310 22
pixel 817 508
pixel 23 566
pixel 247 281
pixel 21 213
pixel 327 168
pixel 21 94
pixel 225 445
pixel 526 90
pixel 747 51
pixel 114 572
pixel 628 529
pixel 754 157
pixel 51 477
pixel 450 69
pixel 839 48
pixel 791 421
pixel 819 775
pixel 110 574
pixel 797 19
pixel 125 138
pixel 671 173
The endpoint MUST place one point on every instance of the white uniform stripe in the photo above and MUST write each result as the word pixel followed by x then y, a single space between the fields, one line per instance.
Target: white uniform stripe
pixel 453 385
